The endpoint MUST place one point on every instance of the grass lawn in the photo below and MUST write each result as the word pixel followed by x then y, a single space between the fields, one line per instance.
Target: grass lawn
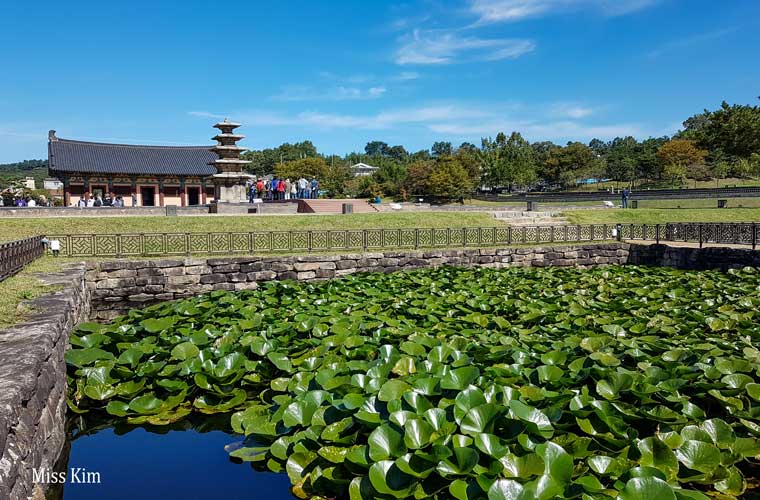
pixel 25 286
pixel 661 216
pixel 13 229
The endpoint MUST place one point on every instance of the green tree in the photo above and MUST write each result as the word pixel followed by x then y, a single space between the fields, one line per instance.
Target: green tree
pixel 506 162
pixel 391 178
pixel 648 166
pixel 305 167
pixel 417 178
pixel 680 159
pixel 731 131
pixel 441 149
pixel 468 156
pixel 622 158
pixel 376 148
pixel 565 166
pixel 448 180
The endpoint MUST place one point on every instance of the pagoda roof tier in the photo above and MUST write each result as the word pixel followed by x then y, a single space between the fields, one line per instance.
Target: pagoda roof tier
pixel 230 161
pixel 219 137
pixel 226 124
pixel 224 147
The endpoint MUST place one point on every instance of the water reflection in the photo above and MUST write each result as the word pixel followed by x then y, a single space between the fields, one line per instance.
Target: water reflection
pixel 186 460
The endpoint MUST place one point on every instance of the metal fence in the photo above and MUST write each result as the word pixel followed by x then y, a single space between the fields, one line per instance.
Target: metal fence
pixel 733 233
pixel 16 254
pixel 116 245
pixel 177 244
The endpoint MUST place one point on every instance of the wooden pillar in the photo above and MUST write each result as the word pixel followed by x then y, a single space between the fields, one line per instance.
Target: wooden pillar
pixel 66 192
pixel 182 192
pixel 203 191
pixel 160 192
pixel 85 187
pixel 110 186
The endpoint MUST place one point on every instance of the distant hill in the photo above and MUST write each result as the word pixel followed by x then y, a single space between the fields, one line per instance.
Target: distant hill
pixel 27 168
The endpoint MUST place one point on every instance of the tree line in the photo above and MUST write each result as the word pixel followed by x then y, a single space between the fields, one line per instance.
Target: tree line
pixel 715 144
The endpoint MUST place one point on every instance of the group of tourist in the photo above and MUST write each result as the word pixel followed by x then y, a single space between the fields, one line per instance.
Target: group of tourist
pixel 283 189
pixel 28 201
pixel 110 200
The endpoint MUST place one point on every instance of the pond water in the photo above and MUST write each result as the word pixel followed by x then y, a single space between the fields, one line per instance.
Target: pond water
pixel 181 463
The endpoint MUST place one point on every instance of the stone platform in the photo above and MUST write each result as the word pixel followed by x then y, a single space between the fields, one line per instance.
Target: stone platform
pixel 233 208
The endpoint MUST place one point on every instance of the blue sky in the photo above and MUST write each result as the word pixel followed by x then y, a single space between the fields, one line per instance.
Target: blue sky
pixel 341 73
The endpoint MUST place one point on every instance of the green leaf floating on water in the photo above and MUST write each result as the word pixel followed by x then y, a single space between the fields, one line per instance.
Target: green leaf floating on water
pixel 84 357
pixel 155 325
pixel 385 442
pixel 627 383
pixel 647 488
pixel 185 350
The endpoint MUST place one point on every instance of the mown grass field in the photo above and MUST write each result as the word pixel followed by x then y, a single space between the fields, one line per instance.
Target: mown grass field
pixel 24 286
pixel 661 216
pixel 13 229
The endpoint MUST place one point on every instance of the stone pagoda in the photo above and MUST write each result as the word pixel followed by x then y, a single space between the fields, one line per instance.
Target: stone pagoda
pixel 229 180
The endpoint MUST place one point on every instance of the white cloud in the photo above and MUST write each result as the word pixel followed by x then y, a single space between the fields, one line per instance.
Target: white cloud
pixel 539 130
pixel 339 93
pixel 455 121
pixel 206 114
pixel 405 76
pixel 570 110
pixel 689 41
pixel 441 47
pixel 496 11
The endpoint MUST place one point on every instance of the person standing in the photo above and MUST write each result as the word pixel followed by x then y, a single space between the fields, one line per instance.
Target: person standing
pixel 288 185
pixel 260 188
pixel 281 189
pixel 314 188
pixel 302 188
pixel 275 184
pixel 626 195
pixel 293 190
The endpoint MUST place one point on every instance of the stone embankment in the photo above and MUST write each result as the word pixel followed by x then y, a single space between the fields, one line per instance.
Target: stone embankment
pixel 33 384
pixel 122 285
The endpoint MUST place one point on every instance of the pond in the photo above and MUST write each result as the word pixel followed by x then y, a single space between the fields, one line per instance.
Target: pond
pixel 150 463
pixel 507 384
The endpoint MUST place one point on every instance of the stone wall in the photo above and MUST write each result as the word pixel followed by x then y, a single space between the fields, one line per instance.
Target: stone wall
pixel 118 286
pixel 97 212
pixel 33 384
pixel 687 257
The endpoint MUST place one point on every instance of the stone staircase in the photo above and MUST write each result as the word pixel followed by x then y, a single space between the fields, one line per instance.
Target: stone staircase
pixel 525 218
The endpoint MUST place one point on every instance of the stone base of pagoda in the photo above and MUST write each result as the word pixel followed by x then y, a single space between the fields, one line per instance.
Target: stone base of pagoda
pixel 233 208
pixel 229 187
pixel 230 195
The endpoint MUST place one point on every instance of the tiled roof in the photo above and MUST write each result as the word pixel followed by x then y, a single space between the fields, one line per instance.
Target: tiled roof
pixel 67 156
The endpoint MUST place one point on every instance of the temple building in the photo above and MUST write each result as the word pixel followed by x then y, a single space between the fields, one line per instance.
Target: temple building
pixel 141 175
